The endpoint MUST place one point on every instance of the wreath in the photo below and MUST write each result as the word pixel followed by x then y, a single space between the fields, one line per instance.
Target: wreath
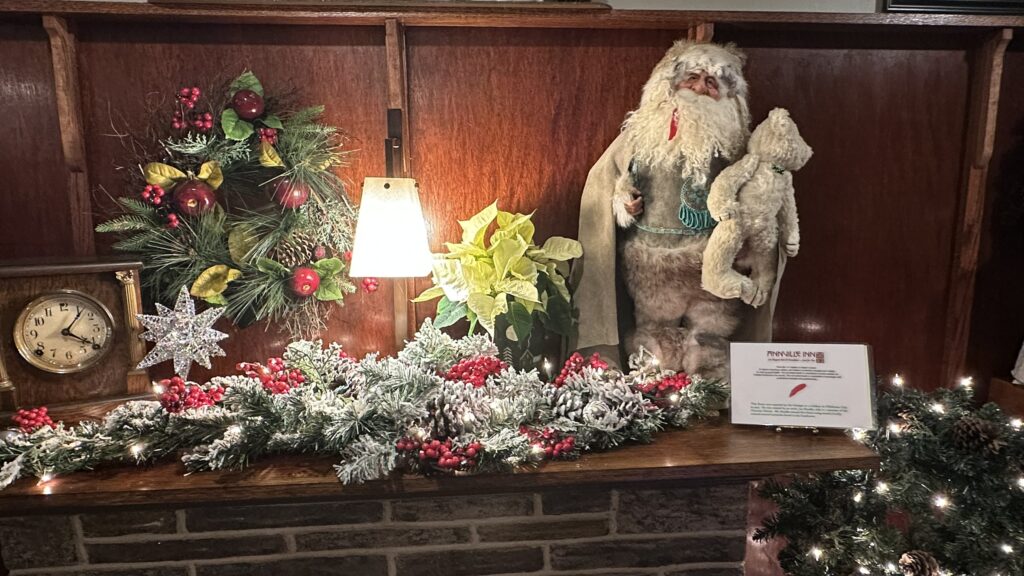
pixel 241 204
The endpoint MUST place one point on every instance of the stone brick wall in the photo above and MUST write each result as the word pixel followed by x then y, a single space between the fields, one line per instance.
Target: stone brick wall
pixel 665 532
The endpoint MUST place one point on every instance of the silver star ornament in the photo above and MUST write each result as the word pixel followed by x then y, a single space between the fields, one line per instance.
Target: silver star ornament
pixel 182 335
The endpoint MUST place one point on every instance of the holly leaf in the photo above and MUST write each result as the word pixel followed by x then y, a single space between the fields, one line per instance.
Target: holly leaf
pixel 327 267
pixel 247 81
pixel 269 158
pixel 234 127
pixel 162 175
pixel 210 173
pixel 273 122
pixel 449 313
pixel 520 320
pixel 329 290
pixel 272 267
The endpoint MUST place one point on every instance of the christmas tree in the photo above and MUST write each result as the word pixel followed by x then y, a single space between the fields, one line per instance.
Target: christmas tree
pixel 948 498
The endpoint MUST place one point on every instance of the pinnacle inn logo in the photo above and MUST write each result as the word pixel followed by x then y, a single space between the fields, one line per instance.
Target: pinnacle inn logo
pixel 794 356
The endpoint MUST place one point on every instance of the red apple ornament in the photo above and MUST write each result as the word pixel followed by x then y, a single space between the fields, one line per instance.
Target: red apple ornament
pixel 291 193
pixel 305 281
pixel 194 197
pixel 247 104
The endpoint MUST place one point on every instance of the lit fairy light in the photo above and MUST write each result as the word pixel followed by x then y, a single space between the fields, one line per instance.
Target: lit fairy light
pixel 890 567
pixel 158 388
pixel 137 449
pixel 858 497
pixel 537 449
pixel 938 408
pixel 1006 548
pixel 548 366
pixel 897 380
pixel 1020 482
pixel 859 434
pixel 655 361
pixel 895 428
pixel 966 382
pixel 46 477
pixel 863 570
pixel 673 398
pixel 1016 423
pixel 941 502
pixel 816 553
pixel 882 488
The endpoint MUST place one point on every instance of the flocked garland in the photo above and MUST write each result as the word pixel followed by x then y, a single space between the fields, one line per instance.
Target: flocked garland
pixel 239 201
pixel 441 406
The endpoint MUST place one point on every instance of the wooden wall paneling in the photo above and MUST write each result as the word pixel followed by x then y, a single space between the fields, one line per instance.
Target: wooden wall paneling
pixel 63 51
pixel 997 331
pixel 878 201
pixel 35 182
pixel 127 72
pixel 987 73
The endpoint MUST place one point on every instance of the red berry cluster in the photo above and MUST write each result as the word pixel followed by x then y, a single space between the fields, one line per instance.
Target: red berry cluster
pixel 554 444
pixel 32 419
pixel 203 122
pixel 576 363
pixel 320 252
pixel 441 455
pixel 666 386
pixel 188 97
pixel 153 194
pixel 172 220
pixel 179 395
pixel 275 376
pixel 347 255
pixel 371 284
pixel 475 370
pixel 268 135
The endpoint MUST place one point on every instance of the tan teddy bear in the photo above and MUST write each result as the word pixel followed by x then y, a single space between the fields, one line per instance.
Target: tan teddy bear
pixel 754 203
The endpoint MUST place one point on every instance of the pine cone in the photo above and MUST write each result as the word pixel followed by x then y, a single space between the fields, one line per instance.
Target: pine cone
pixel 567 403
pixel 919 563
pixel 971 434
pixel 295 250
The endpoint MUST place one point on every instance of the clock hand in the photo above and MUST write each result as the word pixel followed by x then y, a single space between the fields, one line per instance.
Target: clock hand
pixel 77 316
pixel 66 332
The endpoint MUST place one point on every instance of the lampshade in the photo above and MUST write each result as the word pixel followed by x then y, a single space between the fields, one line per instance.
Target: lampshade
pixel 391 236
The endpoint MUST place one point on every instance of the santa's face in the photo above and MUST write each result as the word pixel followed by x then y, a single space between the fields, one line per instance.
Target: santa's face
pixel 700 82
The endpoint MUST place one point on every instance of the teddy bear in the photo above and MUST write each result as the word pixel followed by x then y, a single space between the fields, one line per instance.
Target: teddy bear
pixel 753 200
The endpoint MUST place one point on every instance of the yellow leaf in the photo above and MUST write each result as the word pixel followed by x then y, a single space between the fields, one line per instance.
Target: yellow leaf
pixel 210 173
pixel 269 158
pixel 473 230
pixel 506 254
pixel 519 288
pixel 241 241
pixel 429 294
pixel 213 281
pixel 162 175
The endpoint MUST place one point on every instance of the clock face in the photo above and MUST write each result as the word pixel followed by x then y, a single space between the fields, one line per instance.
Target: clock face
pixel 63 332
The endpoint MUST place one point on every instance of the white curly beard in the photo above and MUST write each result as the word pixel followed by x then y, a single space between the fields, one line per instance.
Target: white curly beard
pixel 706 127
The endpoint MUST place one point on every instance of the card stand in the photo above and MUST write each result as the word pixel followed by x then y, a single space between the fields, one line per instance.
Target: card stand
pixel 781 429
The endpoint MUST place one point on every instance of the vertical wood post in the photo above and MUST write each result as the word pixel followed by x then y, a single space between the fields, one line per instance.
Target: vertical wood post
pixel 404 310
pixel 986 78
pixel 63 51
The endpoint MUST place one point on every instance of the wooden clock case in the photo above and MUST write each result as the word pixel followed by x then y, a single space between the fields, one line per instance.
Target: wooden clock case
pixel 112 281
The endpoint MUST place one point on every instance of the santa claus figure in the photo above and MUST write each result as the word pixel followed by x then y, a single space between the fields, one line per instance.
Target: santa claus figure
pixel 644 221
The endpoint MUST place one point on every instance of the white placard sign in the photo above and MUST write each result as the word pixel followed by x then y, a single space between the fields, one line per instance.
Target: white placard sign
pixel 815 385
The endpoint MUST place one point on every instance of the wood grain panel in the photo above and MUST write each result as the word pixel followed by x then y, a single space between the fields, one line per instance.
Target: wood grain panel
pixel 518 116
pixel 998 320
pixel 886 118
pixel 706 453
pixel 124 69
pixel 35 181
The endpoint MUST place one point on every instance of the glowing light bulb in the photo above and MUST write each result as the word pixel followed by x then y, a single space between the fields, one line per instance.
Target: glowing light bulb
pixel 46 477
pixel 157 388
pixel 655 361
pixel 1020 482
pixel 897 380
pixel 673 398
pixel 1016 423
pixel 1006 548
pixel 890 567
pixel 859 434
pixel 966 382
pixel 882 487
pixel 863 570
pixel 137 449
pixel 895 428
pixel 858 497
pixel 938 408
pixel 941 502
pixel 817 553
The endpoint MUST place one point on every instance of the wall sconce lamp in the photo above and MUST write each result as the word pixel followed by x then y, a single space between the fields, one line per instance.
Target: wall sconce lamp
pixel 391 235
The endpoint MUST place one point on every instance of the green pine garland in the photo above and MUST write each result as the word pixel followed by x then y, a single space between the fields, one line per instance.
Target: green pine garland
pixel 950 491
pixel 362 412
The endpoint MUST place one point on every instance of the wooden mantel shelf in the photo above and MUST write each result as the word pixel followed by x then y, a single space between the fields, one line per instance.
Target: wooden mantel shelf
pixel 706 453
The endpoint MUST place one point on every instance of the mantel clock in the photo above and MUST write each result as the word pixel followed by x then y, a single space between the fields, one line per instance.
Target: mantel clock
pixel 69 332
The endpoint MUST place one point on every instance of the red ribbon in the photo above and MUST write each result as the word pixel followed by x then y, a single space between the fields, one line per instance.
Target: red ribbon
pixel 674 127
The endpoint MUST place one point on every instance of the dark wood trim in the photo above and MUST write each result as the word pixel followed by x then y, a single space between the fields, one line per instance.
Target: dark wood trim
pixel 481 14
pixel 1009 396
pixel 63 50
pixel 83 265
pixel 706 453
pixel 75 412
pixel 986 78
